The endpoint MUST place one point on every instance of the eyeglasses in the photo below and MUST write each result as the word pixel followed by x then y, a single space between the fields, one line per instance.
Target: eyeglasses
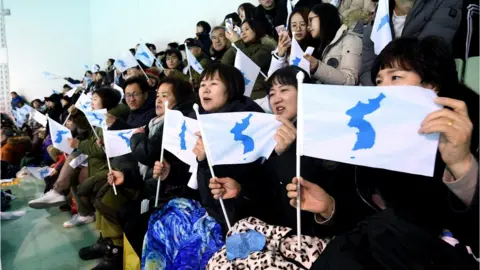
pixel 311 19
pixel 134 95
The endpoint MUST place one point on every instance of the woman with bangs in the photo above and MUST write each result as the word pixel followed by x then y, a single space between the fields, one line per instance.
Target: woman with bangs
pixel 422 208
pixel 298 23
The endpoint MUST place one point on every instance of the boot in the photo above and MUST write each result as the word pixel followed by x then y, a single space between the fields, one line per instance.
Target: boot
pixel 113 259
pixel 95 251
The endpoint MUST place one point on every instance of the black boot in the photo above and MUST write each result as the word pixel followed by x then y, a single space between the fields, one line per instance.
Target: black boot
pixel 95 251
pixel 112 260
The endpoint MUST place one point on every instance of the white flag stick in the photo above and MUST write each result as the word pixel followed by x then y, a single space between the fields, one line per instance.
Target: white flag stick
pixel 161 151
pixel 263 74
pixel 105 141
pixel 300 77
pixel 142 69
pixel 207 152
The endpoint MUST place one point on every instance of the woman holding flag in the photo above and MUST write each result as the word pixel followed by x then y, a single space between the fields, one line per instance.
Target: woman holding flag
pixel 416 210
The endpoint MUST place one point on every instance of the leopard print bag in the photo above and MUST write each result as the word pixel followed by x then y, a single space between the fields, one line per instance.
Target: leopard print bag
pixel 280 252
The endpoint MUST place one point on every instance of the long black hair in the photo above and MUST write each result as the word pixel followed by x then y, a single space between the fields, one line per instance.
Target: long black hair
pixel 249 10
pixel 330 22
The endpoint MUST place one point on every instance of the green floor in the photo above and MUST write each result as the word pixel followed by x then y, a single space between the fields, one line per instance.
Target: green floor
pixel 38 240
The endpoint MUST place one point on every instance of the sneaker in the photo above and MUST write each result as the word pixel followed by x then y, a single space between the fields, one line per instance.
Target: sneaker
pixel 78 220
pixel 94 251
pixel 49 199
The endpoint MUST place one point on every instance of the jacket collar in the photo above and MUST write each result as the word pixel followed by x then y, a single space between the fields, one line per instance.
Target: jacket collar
pixel 342 31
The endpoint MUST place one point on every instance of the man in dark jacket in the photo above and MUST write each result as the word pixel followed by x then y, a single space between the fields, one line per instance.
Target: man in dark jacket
pixel 268 14
pixel 137 96
pixel 424 18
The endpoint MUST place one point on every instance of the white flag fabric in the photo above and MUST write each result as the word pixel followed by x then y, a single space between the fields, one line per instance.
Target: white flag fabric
pixel 125 62
pixel 95 68
pixel 40 172
pixel 84 103
pixel 81 159
pixel 119 89
pixel 381 31
pixel 40 118
pixel 144 55
pixel 117 142
pixel 369 126
pixel 51 76
pixel 249 69
pixel 159 66
pixel 96 117
pixel 192 61
pixel 239 137
pixel 179 136
pixel 60 135
pixel 19 118
pixel 296 57
pixel 70 93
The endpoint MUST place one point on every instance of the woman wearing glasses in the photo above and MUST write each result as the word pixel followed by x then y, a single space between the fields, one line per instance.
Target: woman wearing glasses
pixel 298 24
pixel 337 59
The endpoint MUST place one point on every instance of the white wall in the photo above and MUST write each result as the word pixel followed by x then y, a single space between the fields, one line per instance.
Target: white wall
pixel 61 36
pixel 46 35
pixel 153 21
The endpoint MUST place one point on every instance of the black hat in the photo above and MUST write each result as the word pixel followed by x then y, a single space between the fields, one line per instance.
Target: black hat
pixel 55 98
pixel 191 42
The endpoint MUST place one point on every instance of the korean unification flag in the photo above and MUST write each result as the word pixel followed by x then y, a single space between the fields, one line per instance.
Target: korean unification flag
pixel 96 117
pixel 71 92
pixel 249 69
pixel 117 142
pixel 125 62
pixel 192 61
pixel 369 126
pixel 145 55
pixel 381 31
pixel 40 172
pixel 179 136
pixel 50 76
pixel 60 135
pixel 296 57
pixel 239 137
pixel 84 103
pixel 40 118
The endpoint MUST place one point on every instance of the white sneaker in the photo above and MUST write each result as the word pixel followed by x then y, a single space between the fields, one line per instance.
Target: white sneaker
pixel 78 220
pixel 49 199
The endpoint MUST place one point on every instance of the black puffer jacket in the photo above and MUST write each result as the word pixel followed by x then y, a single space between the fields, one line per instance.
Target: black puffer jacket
pixel 335 178
pixel 244 174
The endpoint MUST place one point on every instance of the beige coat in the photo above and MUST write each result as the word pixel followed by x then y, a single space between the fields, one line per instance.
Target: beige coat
pixel 352 10
pixel 341 59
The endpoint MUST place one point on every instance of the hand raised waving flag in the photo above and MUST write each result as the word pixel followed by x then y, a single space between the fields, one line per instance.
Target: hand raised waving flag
pixel 84 103
pixel 117 142
pixel 125 62
pixel 239 137
pixel 145 55
pixel 381 31
pixel 179 136
pixel 96 117
pixel 372 126
pixel 249 69
pixel 192 61
pixel 60 135
pixel 296 57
